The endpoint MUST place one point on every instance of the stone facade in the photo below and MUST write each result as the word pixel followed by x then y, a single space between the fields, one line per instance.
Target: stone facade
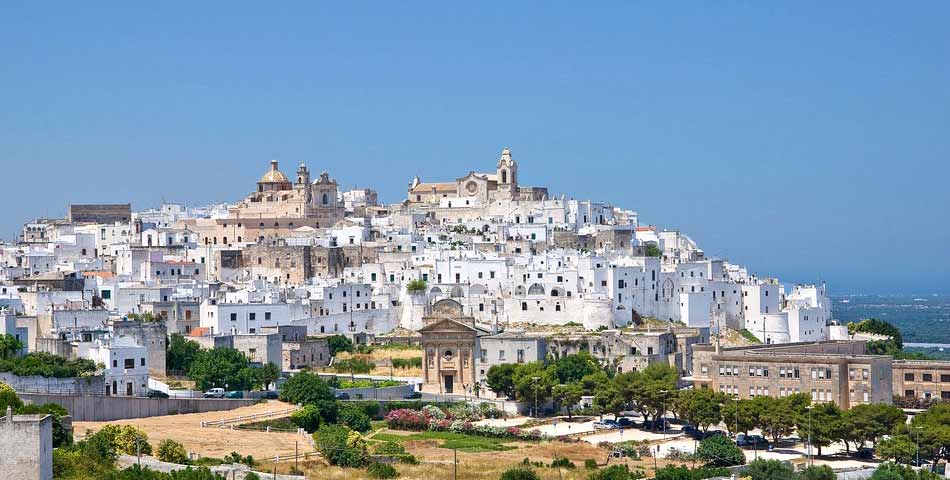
pixel 99 213
pixel 151 335
pixel 924 379
pixel 830 371
pixel 449 342
pixel 26 443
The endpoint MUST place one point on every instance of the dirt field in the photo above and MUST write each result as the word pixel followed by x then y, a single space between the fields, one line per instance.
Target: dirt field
pixel 212 442
pixel 436 462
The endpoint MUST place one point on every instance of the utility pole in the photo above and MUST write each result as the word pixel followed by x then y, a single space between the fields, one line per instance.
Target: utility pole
pixel 295 456
pixel 455 463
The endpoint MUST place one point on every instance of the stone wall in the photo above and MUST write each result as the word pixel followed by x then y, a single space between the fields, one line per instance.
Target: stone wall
pixel 88 408
pixel 94 385
pixel 26 447
pixel 99 213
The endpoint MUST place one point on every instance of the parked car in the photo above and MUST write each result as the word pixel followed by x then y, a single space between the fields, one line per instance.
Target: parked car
pixel 234 394
pixel 751 441
pixel 864 452
pixel 606 425
pixel 625 422
pixel 662 424
pixel 413 396
pixel 342 396
pixel 270 394
pixel 156 394
pixel 215 393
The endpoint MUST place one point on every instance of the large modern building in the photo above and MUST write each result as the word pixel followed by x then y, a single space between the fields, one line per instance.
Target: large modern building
pixel 829 371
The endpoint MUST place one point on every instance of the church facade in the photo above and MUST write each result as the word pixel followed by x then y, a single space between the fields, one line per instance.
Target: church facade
pixel 476 189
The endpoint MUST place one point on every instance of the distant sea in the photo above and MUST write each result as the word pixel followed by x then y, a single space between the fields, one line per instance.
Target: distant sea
pixel 924 320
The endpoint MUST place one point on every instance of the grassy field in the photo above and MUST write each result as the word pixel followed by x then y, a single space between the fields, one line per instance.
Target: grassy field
pixel 382 356
pixel 458 441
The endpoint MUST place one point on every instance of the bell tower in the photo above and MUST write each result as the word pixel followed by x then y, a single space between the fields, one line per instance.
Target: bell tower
pixel 507 172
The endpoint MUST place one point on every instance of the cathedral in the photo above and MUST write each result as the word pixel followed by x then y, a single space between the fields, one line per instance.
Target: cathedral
pixel 477 188
pixel 277 197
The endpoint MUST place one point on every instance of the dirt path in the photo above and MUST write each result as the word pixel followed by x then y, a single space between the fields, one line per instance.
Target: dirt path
pixel 212 442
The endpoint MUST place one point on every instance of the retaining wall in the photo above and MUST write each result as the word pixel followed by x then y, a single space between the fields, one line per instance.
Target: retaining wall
pixel 88 408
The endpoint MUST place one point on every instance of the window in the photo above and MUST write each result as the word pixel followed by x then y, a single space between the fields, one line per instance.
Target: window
pixel 252 316
pixel 928 377
pixel 266 315
pixel 501 355
pixel 908 377
pixel 233 317
pixel 115 364
pixel 908 393
pixel 129 363
pixel 944 377
pixel 143 361
pixel 524 306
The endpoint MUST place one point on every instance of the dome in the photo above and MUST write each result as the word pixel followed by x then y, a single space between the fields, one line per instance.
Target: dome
pixel 274 175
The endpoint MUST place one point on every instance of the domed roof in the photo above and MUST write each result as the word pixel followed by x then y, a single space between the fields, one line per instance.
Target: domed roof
pixel 274 175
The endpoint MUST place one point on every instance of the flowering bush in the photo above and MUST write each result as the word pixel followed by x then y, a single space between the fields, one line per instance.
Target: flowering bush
pixel 465 411
pixel 433 412
pixel 407 419
pixel 489 410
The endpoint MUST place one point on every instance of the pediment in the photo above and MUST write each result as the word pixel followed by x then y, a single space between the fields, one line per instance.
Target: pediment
pixel 447 325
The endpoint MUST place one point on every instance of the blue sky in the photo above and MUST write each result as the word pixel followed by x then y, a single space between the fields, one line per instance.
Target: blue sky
pixel 804 139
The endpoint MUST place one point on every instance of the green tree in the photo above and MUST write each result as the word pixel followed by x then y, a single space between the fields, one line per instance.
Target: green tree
pixel 501 379
pixel 567 396
pixel 739 416
pixel 9 346
pixel 652 389
pixel 931 429
pixel 172 452
pixel 775 417
pixel 867 422
pixel 720 451
pixel 572 368
pixel 890 471
pixel 309 389
pixel 220 367
pixel 381 470
pixel 609 399
pixel 180 353
pixel 268 375
pixel 899 448
pixel 534 381
pixel 339 343
pixel 762 469
pixel 700 407
pixel 821 426
pixel 307 418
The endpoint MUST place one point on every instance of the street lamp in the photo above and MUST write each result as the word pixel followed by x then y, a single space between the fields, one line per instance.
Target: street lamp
pixel 917 431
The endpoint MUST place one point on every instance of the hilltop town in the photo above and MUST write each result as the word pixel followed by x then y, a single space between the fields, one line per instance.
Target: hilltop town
pixel 524 306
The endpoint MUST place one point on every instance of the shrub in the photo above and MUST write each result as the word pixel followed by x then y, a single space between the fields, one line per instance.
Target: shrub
pixel 341 446
pixel 381 470
pixel 818 472
pixel 235 457
pixel 416 286
pixel 761 469
pixel 562 463
pixel 681 472
pixel 590 464
pixel 352 416
pixel 616 472
pixel 172 452
pixel 406 419
pixel 307 418
pixel 339 343
pixel 413 362
pixel 519 474
pixel 127 439
pixel 353 365
pixel 719 451
pixel 8 398
pixel 252 476
pixel 489 410
pixel 389 448
pixel 433 412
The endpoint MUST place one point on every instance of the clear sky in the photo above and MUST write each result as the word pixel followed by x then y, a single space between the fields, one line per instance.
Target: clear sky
pixel 803 139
